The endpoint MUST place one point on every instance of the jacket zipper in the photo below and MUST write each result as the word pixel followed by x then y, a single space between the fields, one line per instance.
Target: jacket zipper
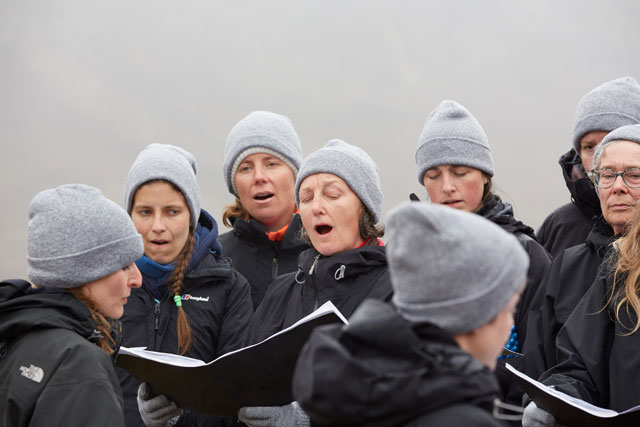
pixel 156 311
pixel 313 280
pixel 274 263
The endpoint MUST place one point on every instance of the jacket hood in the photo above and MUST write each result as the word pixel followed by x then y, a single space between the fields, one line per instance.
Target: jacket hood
pixel 381 370
pixel 600 237
pixel 254 231
pixel 582 192
pixel 207 239
pixel 500 213
pixel 24 309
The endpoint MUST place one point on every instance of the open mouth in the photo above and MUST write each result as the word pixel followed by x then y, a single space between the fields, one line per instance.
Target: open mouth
pixel 159 242
pixel 323 229
pixel 451 202
pixel 263 196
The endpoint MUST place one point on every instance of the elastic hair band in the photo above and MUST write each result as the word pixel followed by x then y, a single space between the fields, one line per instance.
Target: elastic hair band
pixel 178 300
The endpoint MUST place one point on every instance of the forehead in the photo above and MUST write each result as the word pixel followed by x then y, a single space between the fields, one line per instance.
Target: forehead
pixel 258 157
pixel 594 137
pixel 449 167
pixel 321 180
pixel 158 192
pixel 621 153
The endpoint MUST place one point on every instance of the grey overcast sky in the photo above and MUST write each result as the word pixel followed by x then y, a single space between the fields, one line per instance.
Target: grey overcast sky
pixel 86 85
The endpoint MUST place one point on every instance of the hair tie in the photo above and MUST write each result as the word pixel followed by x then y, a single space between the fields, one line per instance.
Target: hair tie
pixel 178 300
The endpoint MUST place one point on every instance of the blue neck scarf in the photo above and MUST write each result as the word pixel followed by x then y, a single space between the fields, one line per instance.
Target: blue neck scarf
pixel 154 275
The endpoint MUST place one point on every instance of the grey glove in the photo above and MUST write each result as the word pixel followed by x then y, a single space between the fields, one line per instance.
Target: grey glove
pixel 290 415
pixel 536 417
pixel 157 411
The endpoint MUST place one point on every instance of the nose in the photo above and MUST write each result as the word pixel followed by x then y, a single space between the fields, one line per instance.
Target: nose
pixel 158 223
pixel 447 184
pixel 259 174
pixel 135 277
pixel 317 206
pixel 619 185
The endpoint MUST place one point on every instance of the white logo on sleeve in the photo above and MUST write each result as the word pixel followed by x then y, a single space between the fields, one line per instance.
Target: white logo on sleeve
pixel 34 373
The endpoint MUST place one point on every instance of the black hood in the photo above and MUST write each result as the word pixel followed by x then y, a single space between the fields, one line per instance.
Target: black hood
pixel 583 195
pixel 24 309
pixel 381 370
pixel 500 213
pixel 254 231
pixel 600 237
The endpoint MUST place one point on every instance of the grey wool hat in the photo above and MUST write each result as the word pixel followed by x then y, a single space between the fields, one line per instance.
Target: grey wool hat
pixel 168 163
pixel 261 132
pixel 607 107
pixel 452 136
pixel 350 163
pixel 624 133
pixel 75 235
pixel 451 268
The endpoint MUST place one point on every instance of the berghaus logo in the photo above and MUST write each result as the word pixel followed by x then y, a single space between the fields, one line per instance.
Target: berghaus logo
pixel 189 297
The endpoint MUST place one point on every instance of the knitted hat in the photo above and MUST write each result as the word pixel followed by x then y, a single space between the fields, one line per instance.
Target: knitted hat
pixel 261 132
pixel 452 136
pixel 624 133
pixel 451 268
pixel 75 235
pixel 168 163
pixel 351 164
pixel 607 107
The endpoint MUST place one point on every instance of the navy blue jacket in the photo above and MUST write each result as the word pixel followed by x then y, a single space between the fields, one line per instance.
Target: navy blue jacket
pixel 217 301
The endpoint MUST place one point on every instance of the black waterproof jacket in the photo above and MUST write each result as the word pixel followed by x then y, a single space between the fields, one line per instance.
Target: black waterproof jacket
pixel 381 370
pixel 51 373
pixel 570 276
pixel 598 360
pixel 259 259
pixel 346 279
pixel 570 224
pixel 539 260
pixel 217 301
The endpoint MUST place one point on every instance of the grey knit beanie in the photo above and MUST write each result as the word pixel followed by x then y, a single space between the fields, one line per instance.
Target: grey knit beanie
pixel 452 136
pixel 350 163
pixel 168 163
pixel 624 133
pixel 607 107
pixel 261 132
pixel 75 235
pixel 451 268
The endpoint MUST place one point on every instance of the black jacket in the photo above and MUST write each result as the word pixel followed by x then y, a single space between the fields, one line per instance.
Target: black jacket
pixel 598 360
pixel 217 301
pixel 570 276
pixel 52 374
pixel 539 260
pixel 381 370
pixel 570 224
pixel 346 279
pixel 259 259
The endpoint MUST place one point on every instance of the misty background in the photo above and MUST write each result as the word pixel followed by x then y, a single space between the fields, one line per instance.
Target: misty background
pixel 85 86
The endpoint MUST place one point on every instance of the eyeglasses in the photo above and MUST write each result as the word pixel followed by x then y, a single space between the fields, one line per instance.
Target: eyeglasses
pixel 604 178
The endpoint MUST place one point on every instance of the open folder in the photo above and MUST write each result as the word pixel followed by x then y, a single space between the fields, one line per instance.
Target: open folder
pixel 257 375
pixel 572 411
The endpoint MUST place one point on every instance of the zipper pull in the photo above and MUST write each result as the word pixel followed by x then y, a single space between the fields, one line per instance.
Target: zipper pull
pixel 313 266
pixel 156 311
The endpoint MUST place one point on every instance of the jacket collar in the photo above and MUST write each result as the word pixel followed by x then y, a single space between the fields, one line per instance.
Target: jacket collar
pixel 254 231
pixel 583 195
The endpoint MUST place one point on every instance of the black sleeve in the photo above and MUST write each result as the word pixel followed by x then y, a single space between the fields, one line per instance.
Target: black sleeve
pixel 583 349
pixel 542 325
